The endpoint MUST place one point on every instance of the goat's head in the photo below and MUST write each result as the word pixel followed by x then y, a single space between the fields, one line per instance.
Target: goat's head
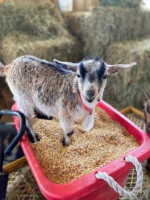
pixel 91 77
pixel 147 114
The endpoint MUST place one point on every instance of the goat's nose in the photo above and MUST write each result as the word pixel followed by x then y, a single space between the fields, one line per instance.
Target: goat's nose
pixel 90 93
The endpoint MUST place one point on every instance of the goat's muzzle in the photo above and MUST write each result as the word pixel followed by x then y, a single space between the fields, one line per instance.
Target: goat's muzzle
pixel 90 95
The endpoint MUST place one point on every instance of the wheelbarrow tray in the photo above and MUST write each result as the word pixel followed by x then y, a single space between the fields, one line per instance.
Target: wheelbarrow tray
pixel 88 187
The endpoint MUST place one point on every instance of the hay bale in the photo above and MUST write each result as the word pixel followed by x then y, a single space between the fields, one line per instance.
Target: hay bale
pixel 39 20
pixel 34 28
pixel 127 87
pixel 103 25
pixel 16 45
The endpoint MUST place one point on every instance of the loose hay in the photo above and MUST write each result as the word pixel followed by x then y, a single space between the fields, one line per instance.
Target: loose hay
pixel 89 150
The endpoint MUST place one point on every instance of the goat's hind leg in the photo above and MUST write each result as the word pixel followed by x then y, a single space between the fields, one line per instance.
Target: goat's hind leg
pixel 31 133
pixel 28 111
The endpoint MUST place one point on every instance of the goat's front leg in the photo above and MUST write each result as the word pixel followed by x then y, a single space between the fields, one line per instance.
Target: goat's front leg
pixel 67 127
pixel 88 121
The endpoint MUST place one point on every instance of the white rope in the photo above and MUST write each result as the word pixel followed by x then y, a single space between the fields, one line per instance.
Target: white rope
pixel 122 192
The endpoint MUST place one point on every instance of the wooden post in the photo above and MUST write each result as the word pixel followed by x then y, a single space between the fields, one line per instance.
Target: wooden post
pixel 84 5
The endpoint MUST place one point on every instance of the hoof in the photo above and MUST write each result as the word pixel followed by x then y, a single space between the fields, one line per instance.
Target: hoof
pixel 37 138
pixel 63 142
pixel 66 142
pixel 70 133
pixel 32 138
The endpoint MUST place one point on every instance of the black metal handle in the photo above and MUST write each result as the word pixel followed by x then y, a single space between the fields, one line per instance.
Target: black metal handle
pixel 21 131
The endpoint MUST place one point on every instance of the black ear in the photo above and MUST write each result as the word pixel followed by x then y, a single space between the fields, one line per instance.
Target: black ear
pixel 82 70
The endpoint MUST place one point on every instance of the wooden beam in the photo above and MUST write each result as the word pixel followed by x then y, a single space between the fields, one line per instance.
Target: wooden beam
pixel 13 166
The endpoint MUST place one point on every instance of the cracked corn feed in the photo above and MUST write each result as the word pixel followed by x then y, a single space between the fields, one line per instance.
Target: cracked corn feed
pixel 88 151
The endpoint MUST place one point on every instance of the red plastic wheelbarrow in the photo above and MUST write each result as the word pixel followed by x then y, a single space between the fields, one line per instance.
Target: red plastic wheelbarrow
pixel 4 174
pixel 98 184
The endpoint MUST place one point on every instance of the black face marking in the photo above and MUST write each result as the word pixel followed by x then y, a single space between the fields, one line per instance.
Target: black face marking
pixel 82 70
pixel 101 72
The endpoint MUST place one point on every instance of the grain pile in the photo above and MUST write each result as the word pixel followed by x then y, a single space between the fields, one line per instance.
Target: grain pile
pixel 88 151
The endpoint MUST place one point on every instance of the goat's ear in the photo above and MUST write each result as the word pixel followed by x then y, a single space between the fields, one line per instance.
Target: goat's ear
pixel 69 64
pixel 114 69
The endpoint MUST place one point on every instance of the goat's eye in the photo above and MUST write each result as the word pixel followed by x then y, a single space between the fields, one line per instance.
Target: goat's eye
pixel 105 76
pixel 78 75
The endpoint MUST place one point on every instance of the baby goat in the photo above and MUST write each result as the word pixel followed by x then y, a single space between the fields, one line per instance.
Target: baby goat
pixel 67 90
